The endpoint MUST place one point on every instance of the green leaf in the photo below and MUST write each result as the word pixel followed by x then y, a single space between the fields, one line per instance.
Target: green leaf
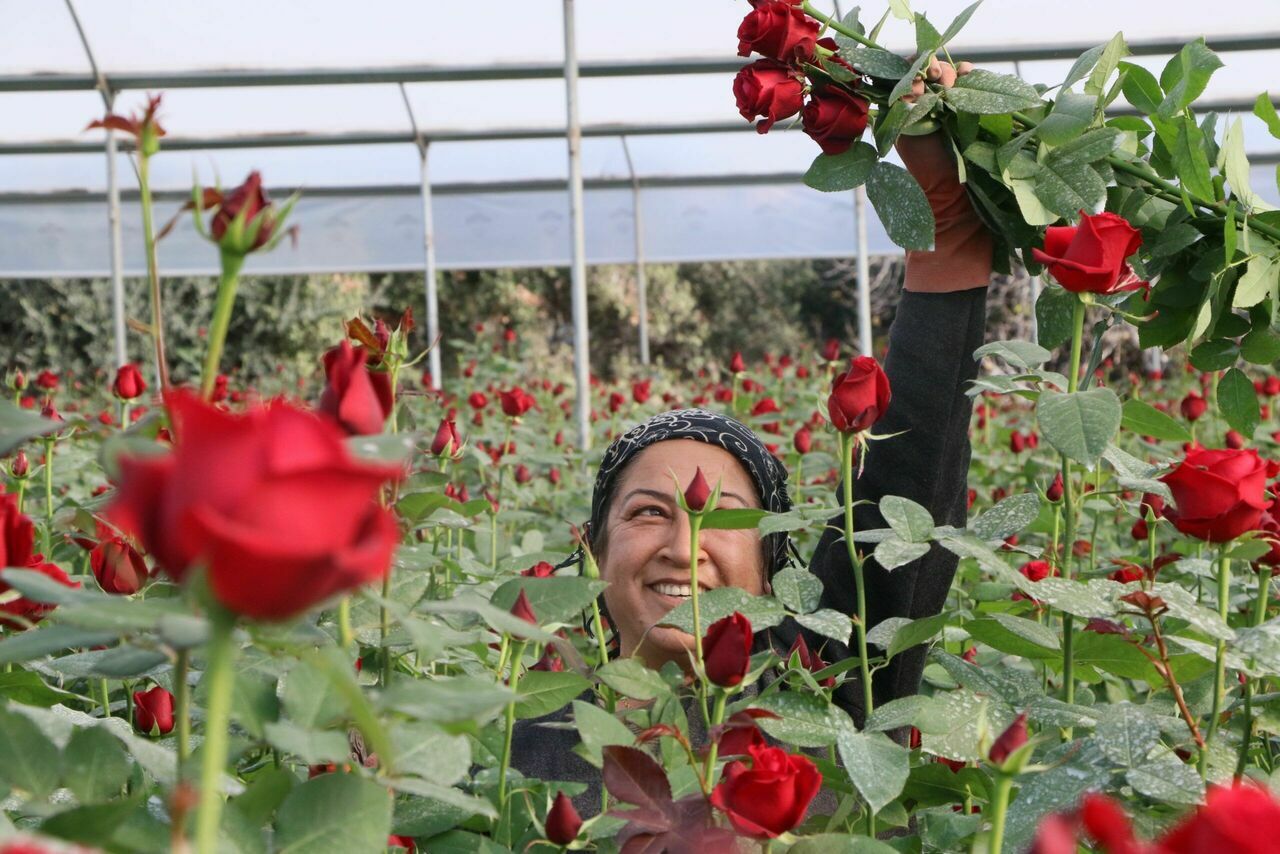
pixel 1066 182
pixel 310 697
pixel 543 692
pixel 314 747
pixel 46 640
pixel 429 752
pixel 1008 517
pixel 1265 110
pixel 1115 50
pixel 632 678
pixel 1234 163
pixel 733 519
pixel 911 634
pixel 1144 419
pixel 832 173
pixel 1186 76
pixel 958 23
pixel 95 766
pixel 1127 734
pixel 1189 160
pixel 804 720
pixel 1053 315
pixel 1140 88
pixel 1261 346
pixel 334 812
pixel 1082 66
pixel 1169 780
pixel 893 553
pixel 29 761
pixel 875 62
pixel 828 623
pixel 447 700
pixel 903 86
pixel 1215 355
pixel 1014 636
pixel 840 843
pixel 558 599
pixel 1020 354
pixel 928 39
pixel 877 766
pixel 1238 401
pixel 27 688
pixel 1260 280
pixel 1071 116
pixel 763 611
pixel 987 93
pixel 909 520
pixel 599 729
pixel 18 425
pixel 901 205
pixel 798 589
pixel 1079 425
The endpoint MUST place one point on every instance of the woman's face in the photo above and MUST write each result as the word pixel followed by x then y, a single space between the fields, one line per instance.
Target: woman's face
pixel 646 559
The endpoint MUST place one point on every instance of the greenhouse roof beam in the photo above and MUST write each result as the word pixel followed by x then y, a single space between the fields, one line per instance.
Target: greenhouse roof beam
pixel 219 78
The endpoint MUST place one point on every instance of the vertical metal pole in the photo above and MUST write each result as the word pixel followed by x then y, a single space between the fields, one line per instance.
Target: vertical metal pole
pixel 1036 286
pixel 429 245
pixel 864 274
pixel 642 284
pixel 117 253
pixel 578 268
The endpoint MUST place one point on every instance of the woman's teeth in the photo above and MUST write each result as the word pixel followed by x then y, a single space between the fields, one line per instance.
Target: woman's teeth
pixel 680 590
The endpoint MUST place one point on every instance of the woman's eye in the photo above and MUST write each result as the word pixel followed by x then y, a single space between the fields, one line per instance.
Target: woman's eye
pixel 643 511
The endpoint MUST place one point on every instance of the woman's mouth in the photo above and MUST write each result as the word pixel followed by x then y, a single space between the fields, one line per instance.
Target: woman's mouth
pixel 679 592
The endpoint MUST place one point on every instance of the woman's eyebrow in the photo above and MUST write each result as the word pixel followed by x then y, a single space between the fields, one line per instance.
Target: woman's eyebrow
pixel 667 496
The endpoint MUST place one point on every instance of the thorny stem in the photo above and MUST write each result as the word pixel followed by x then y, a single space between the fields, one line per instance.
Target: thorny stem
pixel 1220 662
pixel 153 273
pixel 1161 664
pixel 848 448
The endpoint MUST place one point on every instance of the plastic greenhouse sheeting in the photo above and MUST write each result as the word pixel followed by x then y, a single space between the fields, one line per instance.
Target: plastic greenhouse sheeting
pixel 360 208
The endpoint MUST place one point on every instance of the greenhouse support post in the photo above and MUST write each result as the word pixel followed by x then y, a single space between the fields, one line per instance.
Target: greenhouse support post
pixel 642 284
pixel 430 279
pixel 864 275
pixel 578 270
pixel 1036 287
pixel 117 253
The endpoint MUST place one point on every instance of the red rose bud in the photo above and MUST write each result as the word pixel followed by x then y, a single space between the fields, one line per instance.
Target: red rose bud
pixel 835 118
pixel 778 30
pixel 769 797
pixel 356 398
pixel 118 566
pixel 809 660
pixel 244 219
pixel 1234 440
pixel 270 502
pixel 736 365
pixel 831 350
pixel 142 127
pixel 698 492
pixel 523 475
pixel 400 841
pixel 541 569
pixel 446 443
pixel 1127 573
pixel 1055 490
pixel 1193 406
pixel 1036 570
pixel 726 650
pixel 1017 442
pixel 1219 494
pixel 1009 740
pixel 768 89
pixel 1107 825
pixel 20 466
pixel 563 821
pixel 516 402
pixel 129 383
pixel 523 609
pixel 1090 257
pixel 803 440
pixel 153 711
pixel 47 380
pixel 859 396
pixel 18 382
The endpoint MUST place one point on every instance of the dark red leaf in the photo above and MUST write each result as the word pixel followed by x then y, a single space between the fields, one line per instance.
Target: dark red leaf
pixel 633 777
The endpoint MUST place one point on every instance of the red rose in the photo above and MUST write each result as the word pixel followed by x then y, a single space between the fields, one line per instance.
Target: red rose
pixel 736 365
pixel 640 391
pixel 778 30
pixel 1055 490
pixel 1036 570
pixel 810 660
pixel 859 396
pixel 129 383
pixel 47 380
pixel 153 711
pixel 1055 835
pixel 765 406
pixel 247 201
pixel 698 492
pixel 541 569
pixel 17 539
pixel 269 500
pixel 1270 528
pixel 1091 257
pixel 1107 824
pixel 563 821
pixel 21 465
pixel 446 442
pixel 523 609
pixel 726 650
pixel 803 440
pixel 769 797
pixel 1014 736
pixel 516 402
pixel 118 566
pixel 477 400
pixel 396 840
pixel 358 399
pixel 831 350
pixel 1219 494
pixel 835 118
pixel 1234 440
pixel 1241 819
pixel 1193 406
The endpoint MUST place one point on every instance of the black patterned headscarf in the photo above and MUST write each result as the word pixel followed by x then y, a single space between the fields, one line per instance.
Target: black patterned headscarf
pixel 767 472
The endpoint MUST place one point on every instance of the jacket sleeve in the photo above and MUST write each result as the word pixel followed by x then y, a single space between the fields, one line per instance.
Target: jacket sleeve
pixel 929 365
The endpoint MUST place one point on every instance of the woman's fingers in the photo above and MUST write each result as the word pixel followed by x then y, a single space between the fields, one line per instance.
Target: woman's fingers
pixel 963 68
pixel 938 71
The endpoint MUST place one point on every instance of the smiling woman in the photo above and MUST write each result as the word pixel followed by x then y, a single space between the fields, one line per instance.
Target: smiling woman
pixel 640 535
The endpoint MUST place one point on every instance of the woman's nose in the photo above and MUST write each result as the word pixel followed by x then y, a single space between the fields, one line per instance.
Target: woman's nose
pixel 678 544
